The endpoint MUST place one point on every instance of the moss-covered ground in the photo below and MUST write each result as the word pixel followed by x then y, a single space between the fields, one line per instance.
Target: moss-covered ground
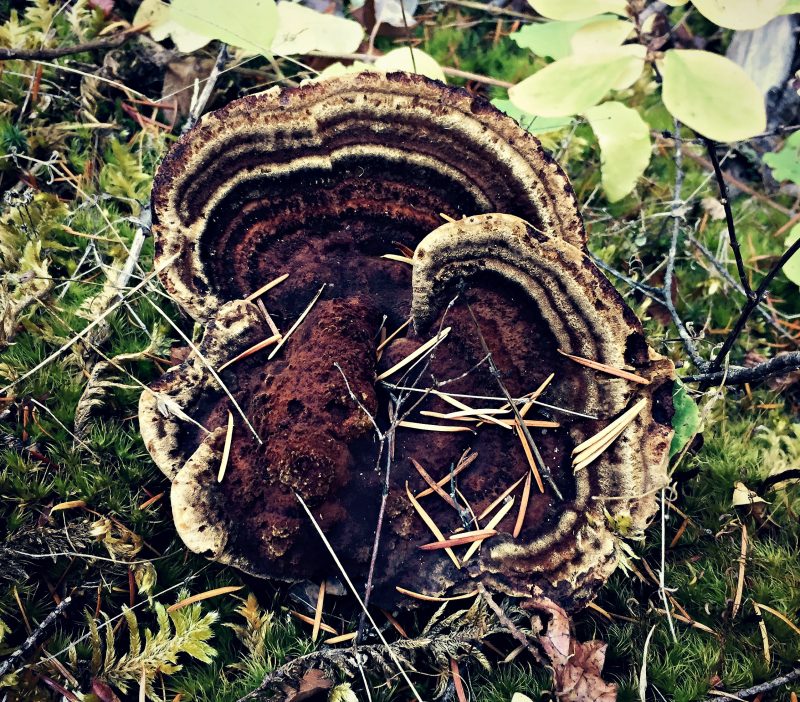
pixel 90 515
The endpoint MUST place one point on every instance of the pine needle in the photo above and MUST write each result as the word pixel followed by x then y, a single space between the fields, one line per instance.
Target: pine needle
pixel 438 490
pixel 458 684
pixel 529 456
pixel 586 452
pixel 450 399
pixel 318 612
pixel 467 537
pixel 605 368
pixel 421 426
pixel 71 504
pixel 216 592
pixel 523 506
pixel 341 639
pixel 493 522
pixel 434 598
pixel 151 501
pixel 431 525
pixel 464 463
pixel 391 336
pixel 737 600
pixel 502 496
pixel 249 352
pixel 425 348
pixel 294 326
pixel 226 449
pixel 399 259
pixel 258 293
pixel 308 620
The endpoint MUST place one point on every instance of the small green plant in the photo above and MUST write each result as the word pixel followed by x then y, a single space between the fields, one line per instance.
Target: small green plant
pixel 598 53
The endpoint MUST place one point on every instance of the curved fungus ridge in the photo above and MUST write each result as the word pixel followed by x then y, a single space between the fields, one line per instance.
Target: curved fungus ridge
pixel 378 156
pixel 331 177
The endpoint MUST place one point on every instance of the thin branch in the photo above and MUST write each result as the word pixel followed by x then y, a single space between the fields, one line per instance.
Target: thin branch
pixel 739 375
pixel 36 637
pixel 48 54
pixel 669 274
pixel 711 147
pixel 752 303
pixel 764 687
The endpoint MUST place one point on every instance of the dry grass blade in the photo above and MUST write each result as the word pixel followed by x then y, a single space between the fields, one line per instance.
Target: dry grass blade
pixel 308 620
pixel 216 592
pixel 764 638
pixel 422 350
pixel 249 352
pixel 467 537
pixel 465 462
pixel 226 449
pixel 529 456
pixel 438 490
pixel 523 506
pixel 421 426
pixel 737 600
pixel 779 615
pixel 399 259
pixel 434 598
pixel 388 340
pixel 502 496
pixel 318 612
pixel 605 368
pixel 431 525
pixel 294 326
pixel 341 639
pixel 350 585
pixel 493 522
pixel 688 620
pixel 264 288
pixel 593 447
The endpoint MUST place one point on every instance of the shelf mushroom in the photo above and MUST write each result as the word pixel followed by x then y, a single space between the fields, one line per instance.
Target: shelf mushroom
pixel 388 270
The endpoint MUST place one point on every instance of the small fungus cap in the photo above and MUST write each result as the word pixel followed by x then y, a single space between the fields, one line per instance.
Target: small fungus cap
pixel 342 185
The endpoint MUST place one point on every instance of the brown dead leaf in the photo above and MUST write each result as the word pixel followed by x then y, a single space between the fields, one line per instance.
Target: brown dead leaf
pixel 576 665
pixel 179 80
pixel 310 685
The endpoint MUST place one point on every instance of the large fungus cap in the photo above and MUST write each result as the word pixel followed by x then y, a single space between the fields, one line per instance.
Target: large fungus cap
pixel 320 182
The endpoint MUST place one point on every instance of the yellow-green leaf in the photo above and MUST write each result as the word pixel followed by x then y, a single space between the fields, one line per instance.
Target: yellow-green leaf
pixel 248 24
pixel 157 14
pixel 577 9
pixel 712 95
pixel 301 30
pixel 624 139
pixel 401 60
pixel 576 83
pixel 600 36
pixel 739 14
pixel 552 39
pixel 792 268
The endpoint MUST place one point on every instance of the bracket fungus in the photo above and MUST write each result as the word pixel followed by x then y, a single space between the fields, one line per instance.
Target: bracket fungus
pixel 520 421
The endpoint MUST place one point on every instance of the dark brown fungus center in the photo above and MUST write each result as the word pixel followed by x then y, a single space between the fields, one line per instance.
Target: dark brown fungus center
pixel 321 183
